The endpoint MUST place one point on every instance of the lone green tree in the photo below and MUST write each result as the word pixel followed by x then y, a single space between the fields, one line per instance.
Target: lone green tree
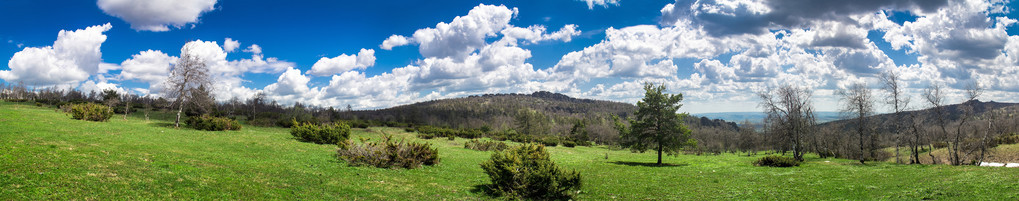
pixel 656 125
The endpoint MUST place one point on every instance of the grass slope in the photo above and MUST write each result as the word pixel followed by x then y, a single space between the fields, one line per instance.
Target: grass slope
pixel 47 155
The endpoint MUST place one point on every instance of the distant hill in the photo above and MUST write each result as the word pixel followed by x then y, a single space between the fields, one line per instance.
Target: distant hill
pixel 500 111
pixel 954 113
pixel 758 117
pixel 497 110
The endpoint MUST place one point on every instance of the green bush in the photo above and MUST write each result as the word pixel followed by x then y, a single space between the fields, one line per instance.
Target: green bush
pixel 428 132
pixel 527 172
pixel 388 154
pixel 425 136
pixel 549 141
pixel 1007 139
pixel 485 145
pixel 91 112
pixel 211 123
pixel 567 143
pixel 777 161
pixel 334 133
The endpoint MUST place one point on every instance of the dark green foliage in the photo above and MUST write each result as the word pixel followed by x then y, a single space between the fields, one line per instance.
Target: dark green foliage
pixel 91 112
pixel 543 114
pixel 568 143
pixel 389 154
pixel 426 136
pixel 777 161
pixel 549 141
pixel 485 145
pixel 320 134
pixel 211 123
pixel 578 135
pixel 359 124
pixel 527 172
pixel 201 102
pixel 429 132
pixel 511 135
pixel 532 122
pixel 1007 139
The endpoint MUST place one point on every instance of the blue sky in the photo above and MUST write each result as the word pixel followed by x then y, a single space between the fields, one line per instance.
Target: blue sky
pixel 331 53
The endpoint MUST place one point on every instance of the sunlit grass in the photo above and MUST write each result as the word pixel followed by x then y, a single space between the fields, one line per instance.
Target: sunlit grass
pixel 45 154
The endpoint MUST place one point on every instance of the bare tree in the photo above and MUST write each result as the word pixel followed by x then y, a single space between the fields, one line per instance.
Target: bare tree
pixel 858 103
pixel 791 114
pixel 899 102
pixel 127 105
pixel 935 97
pixel 973 91
pixel 189 72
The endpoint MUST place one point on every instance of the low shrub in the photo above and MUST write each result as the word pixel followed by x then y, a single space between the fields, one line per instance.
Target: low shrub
pixel 568 143
pixel 211 123
pixel 527 172
pixel 426 135
pixel 938 145
pixel 388 154
pixel 549 141
pixel 334 133
pixel 432 131
pixel 485 145
pixel 777 161
pixel 1007 139
pixel 91 112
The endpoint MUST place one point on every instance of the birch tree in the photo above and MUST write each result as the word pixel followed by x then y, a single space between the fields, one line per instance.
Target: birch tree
pixel 189 72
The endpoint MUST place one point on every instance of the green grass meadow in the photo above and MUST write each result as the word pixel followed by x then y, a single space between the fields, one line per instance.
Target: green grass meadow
pixel 44 155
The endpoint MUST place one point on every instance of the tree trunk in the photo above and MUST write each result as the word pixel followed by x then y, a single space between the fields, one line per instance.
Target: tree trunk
pixel 916 144
pixel 180 108
pixel 859 130
pixel 127 106
pixel 176 123
pixel 659 155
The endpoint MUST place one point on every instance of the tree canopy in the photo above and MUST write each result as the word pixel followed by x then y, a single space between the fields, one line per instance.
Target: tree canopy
pixel 656 125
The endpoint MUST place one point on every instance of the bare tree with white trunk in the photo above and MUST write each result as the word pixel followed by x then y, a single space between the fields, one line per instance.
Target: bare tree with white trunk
pixel 189 72
pixel 899 101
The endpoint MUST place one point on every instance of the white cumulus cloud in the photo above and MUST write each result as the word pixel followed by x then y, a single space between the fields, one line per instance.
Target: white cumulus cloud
pixel 74 56
pixel 151 66
pixel 156 15
pixel 230 44
pixel 602 3
pixel 343 63
pixel 394 41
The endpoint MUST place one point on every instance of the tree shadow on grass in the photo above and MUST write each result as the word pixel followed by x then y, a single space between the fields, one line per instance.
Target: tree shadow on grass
pixel 630 163
pixel 485 189
pixel 162 124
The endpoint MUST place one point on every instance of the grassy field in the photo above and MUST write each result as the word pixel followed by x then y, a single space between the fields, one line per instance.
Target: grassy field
pixel 45 154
